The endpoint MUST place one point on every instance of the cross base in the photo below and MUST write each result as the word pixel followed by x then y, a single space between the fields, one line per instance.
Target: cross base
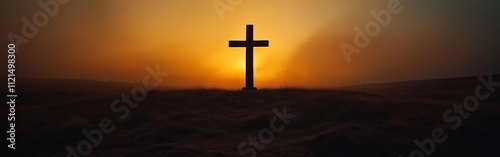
pixel 249 88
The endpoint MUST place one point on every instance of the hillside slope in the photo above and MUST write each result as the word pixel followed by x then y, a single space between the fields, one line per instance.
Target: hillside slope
pixel 369 120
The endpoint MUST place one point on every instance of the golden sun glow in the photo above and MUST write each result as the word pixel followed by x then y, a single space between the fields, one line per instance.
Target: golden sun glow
pixel 188 40
pixel 243 65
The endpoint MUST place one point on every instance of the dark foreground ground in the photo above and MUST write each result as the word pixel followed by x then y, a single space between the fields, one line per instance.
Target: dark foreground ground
pixel 358 121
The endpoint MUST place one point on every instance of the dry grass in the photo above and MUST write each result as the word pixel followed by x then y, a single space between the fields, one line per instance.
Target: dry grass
pixel 370 120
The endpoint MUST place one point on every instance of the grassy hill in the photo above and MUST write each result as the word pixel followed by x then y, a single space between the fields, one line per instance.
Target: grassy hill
pixel 357 121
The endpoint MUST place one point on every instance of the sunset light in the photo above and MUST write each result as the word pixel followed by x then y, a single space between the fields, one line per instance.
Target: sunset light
pixel 189 40
pixel 251 78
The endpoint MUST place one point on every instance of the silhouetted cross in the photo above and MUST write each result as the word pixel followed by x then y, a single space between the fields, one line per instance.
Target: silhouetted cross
pixel 249 44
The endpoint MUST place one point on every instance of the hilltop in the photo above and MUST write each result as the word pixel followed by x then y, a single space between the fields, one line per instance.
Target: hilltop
pixel 365 120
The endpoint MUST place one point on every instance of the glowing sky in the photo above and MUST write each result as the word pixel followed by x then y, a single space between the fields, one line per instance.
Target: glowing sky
pixel 117 39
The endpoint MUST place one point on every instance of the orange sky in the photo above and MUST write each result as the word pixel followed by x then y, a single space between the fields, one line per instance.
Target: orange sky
pixel 117 39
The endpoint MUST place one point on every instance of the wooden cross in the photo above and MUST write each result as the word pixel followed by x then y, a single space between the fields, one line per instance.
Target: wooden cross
pixel 249 44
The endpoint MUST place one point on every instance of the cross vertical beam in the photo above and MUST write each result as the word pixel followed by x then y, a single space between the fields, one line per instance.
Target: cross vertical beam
pixel 249 61
pixel 249 44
